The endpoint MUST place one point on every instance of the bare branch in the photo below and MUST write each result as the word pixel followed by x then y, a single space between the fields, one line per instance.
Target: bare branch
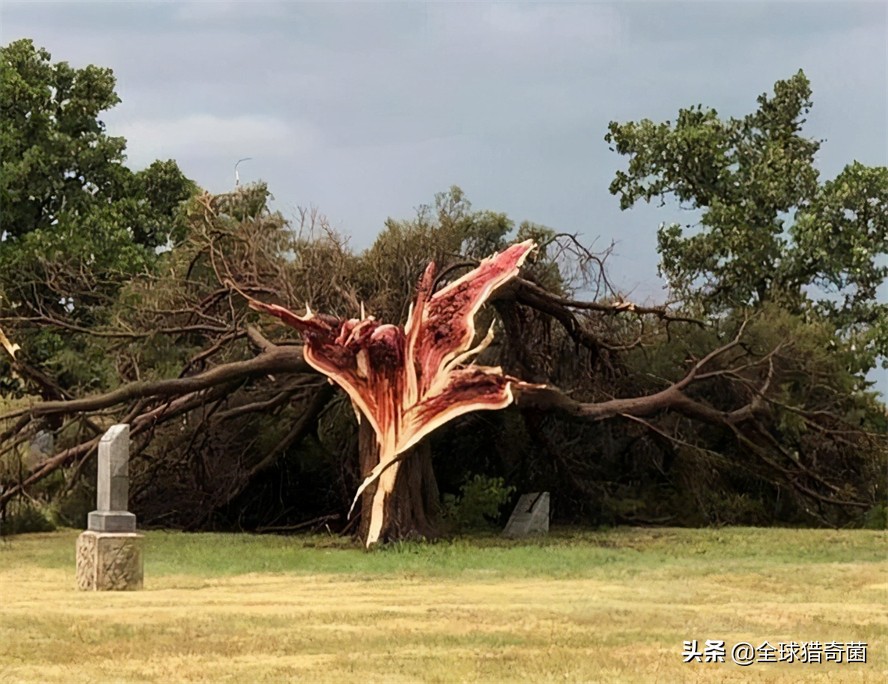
pixel 277 359
pixel 530 293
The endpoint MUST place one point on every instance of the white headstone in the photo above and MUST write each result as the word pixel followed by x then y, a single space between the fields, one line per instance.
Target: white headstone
pixel 109 553
pixel 112 490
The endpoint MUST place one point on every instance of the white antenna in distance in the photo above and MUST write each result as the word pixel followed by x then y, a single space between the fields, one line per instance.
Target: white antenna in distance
pixel 236 175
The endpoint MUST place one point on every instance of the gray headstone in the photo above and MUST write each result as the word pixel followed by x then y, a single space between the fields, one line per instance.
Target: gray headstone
pixel 112 491
pixel 39 449
pixel 42 443
pixel 531 516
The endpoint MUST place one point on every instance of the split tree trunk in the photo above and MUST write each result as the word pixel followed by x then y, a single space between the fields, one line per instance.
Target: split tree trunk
pixel 410 510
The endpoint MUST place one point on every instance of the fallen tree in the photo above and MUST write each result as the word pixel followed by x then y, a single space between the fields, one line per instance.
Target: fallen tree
pixel 237 403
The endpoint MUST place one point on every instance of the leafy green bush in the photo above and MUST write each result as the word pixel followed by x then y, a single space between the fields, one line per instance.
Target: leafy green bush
pixel 877 518
pixel 478 504
pixel 24 516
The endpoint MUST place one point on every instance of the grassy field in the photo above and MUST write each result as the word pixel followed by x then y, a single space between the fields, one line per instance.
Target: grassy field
pixel 604 606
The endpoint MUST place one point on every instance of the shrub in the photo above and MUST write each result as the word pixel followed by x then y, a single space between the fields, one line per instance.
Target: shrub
pixel 478 504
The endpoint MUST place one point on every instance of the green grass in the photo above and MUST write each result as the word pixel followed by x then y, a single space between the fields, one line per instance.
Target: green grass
pixel 611 605
pixel 564 553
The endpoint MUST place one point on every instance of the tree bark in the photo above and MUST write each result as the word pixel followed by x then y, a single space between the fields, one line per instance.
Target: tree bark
pixel 410 511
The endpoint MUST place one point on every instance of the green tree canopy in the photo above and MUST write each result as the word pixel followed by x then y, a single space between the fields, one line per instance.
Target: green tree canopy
pixel 75 222
pixel 58 162
pixel 769 230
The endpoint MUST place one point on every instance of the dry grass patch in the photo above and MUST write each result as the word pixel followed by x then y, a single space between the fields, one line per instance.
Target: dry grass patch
pixel 579 607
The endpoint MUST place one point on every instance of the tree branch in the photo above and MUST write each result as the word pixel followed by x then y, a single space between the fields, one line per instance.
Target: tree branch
pixel 533 295
pixel 273 360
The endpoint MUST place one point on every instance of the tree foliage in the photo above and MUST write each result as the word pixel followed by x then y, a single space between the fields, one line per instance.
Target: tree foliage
pixel 76 222
pixel 769 230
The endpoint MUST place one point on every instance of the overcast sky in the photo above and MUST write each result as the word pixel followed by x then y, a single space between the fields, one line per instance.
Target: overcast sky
pixel 366 110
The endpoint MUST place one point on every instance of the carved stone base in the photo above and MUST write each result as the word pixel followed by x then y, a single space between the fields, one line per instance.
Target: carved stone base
pixel 109 561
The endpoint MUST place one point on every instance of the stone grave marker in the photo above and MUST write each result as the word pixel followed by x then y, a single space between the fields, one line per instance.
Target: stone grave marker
pixel 109 553
pixel 531 516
